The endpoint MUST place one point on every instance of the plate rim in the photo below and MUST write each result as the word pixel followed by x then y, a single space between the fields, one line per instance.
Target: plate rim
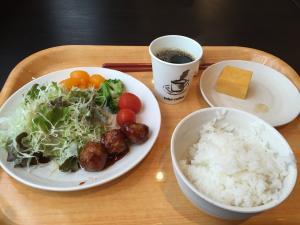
pixel 203 74
pixel 93 184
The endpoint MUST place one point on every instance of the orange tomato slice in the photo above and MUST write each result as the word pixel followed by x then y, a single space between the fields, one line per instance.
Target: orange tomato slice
pixel 69 83
pixel 82 77
pixel 80 74
pixel 96 80
pixel 83 83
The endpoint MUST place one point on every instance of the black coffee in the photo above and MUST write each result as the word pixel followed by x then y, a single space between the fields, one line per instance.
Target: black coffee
pixel 174 56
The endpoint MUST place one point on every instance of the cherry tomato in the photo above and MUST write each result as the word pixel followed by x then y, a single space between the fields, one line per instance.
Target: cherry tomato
pixel 69 83
pixel 80 74
pixel 130 101
pixel 96 80
pixel 82 77
pixel 125 116
pixel 83 83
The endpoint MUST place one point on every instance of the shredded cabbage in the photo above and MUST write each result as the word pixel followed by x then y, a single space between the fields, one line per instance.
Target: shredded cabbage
pixel 52 123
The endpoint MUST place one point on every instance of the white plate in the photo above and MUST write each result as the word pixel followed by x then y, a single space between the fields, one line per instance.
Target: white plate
pixel 271 96
pixel 48 178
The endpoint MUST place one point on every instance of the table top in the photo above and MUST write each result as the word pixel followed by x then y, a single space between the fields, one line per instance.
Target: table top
pixel 30 26
pixel 148 194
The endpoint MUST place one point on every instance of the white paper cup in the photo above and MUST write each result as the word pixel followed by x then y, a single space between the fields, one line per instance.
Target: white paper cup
pixel 172 81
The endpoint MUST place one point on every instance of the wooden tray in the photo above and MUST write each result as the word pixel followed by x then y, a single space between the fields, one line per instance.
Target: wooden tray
pixel 138 197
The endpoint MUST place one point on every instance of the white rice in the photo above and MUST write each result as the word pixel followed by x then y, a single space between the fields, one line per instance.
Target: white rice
pixel 234 167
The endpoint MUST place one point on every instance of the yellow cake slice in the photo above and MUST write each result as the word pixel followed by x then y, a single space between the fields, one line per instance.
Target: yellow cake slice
pixel 234 81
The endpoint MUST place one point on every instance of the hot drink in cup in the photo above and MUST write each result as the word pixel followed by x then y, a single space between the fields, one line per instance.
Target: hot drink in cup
pixel 175 60
pixel 175 56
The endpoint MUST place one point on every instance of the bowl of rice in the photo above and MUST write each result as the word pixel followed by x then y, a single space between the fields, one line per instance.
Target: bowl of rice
pixel 231 164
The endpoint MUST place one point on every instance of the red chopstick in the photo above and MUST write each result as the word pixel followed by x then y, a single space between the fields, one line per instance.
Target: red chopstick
pixel 139 67
pixel 129 67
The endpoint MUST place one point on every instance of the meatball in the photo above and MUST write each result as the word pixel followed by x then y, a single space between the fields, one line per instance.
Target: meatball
pixel 93 157
pixel 114 141
pixel 137 133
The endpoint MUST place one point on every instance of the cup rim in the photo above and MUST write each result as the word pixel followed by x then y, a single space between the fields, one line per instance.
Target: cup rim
pixel 176 64
pixel 238 209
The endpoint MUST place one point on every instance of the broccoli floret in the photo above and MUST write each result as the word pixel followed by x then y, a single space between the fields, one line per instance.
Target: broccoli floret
pixel 109 93
pixel 116 88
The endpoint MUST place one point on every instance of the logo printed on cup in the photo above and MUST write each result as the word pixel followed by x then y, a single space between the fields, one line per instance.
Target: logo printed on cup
pixel 177 86
pixel 175 60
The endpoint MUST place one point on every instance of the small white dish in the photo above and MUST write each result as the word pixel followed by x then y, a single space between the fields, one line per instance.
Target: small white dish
pixel 48 177
pixel 186 134
pixel 271 95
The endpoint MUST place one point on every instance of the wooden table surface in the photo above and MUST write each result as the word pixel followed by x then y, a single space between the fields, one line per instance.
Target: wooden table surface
pixel 149 193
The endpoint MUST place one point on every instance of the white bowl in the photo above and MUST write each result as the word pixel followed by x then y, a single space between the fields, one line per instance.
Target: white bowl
pixel 187 133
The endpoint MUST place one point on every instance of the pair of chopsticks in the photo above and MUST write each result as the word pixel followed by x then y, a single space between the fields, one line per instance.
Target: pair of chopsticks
pixel 139 67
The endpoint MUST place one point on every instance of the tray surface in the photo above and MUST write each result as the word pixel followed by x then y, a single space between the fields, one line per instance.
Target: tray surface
pixel 149 193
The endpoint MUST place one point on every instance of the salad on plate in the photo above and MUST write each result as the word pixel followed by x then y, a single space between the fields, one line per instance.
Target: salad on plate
pixel 82 122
